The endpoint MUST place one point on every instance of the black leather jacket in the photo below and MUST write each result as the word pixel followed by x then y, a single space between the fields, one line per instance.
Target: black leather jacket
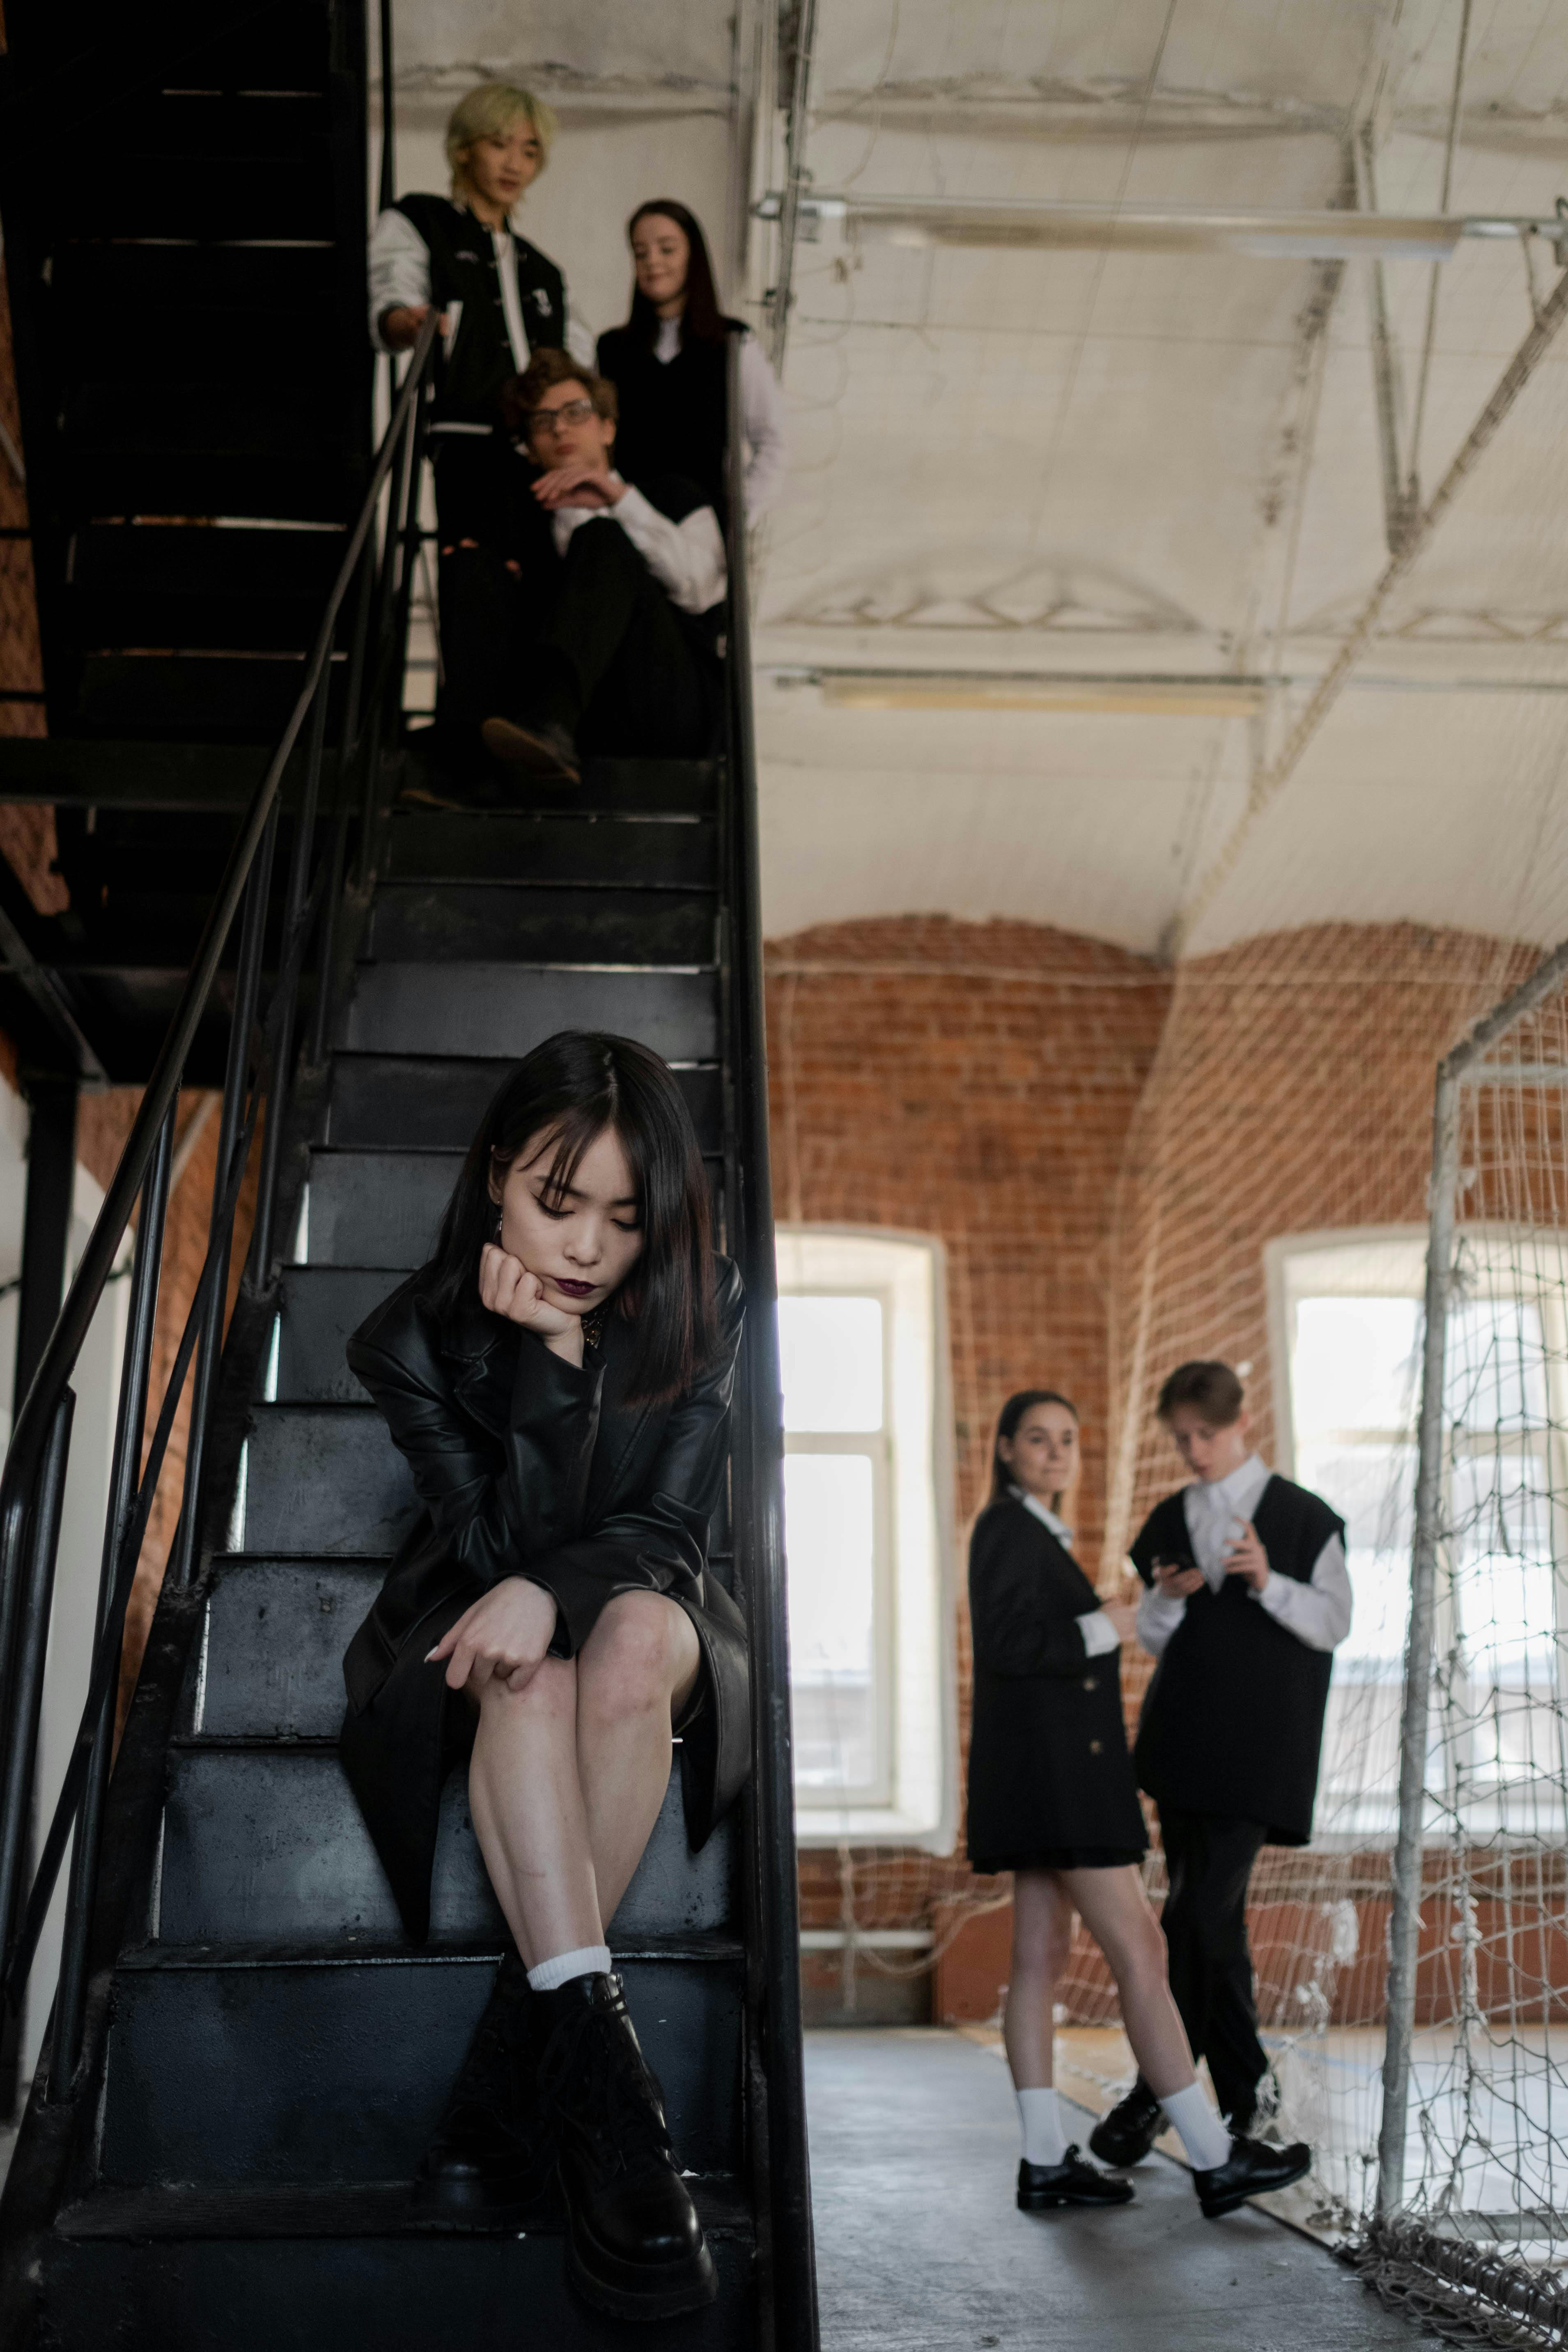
pixel 528 1465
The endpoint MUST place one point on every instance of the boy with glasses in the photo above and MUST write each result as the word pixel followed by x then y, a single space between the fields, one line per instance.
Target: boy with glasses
pixel 580 612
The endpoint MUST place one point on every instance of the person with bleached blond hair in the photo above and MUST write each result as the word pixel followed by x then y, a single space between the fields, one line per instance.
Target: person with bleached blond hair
pixel 499 299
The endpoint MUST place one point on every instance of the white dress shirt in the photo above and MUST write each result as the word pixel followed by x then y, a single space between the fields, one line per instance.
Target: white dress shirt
pixel 761 417
pixel 686 558
pixel 1098 1634
pixel 1318 1613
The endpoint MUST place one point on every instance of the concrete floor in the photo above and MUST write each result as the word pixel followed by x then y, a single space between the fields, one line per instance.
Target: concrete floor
pixel 915 2147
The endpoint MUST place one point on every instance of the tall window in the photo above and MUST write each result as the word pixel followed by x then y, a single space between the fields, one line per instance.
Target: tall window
pixel 1349 1329
pixel 867 1511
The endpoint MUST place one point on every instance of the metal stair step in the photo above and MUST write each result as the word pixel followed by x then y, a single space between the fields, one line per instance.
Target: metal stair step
pixel 172 2284
pixel 664 788
pixel 359 2209
pixel 568 846
pixel 145 584
pixel 195 2090
pixel 408 1100
pixel 320 1306
pixel 507 1009
pixel 323 1479
pixel 207 698
pixel 467 922
pixel 270 1663
pixel 266 1844
pixel 377 1208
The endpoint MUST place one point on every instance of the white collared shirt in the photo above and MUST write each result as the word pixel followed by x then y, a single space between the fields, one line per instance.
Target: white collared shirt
pixel 1100 1635
pixel 1318 1613
pixel 686 558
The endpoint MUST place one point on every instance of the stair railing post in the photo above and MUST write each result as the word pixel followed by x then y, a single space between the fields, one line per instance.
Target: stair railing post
pixel 293 915
pixel 385 593
pixel 26 1694
pixel 760 1532
pixel 130 1412
pixel 327 949
pixel 236 1068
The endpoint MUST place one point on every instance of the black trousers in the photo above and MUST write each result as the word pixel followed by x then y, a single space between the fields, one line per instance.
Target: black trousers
pixel 592 643
pixel 1209 1857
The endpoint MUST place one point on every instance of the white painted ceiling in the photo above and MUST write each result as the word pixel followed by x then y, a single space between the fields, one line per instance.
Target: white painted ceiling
pixel 1118 465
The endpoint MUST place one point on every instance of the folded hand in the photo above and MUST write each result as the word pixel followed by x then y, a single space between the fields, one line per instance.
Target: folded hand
pixel 505 1636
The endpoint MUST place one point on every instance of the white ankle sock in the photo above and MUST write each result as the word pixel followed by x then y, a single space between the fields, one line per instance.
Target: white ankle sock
pixel 588 1961
pixel 1045 2142
pixel 1202 2133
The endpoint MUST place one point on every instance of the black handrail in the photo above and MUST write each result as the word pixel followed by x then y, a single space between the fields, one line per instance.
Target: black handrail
pixel 259 1066
pixel 758 1454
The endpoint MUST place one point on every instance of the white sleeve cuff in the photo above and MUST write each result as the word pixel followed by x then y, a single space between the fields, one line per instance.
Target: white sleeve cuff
pixel 1100 1635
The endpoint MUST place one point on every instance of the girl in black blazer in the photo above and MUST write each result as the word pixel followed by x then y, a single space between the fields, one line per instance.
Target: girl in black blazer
pixel 1052 1799
pixel 559 1381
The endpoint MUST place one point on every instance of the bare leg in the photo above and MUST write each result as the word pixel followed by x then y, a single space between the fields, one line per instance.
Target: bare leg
pixel 527 1804
pixel 1042 1939
pixel 568 1775
pixel 634 1672
pixel 1117 1912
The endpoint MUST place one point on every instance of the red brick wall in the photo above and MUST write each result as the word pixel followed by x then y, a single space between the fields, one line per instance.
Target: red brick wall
pixel 27 834
pixel 103 1126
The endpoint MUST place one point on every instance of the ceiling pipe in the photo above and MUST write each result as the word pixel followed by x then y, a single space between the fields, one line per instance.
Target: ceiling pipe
pixel 923 221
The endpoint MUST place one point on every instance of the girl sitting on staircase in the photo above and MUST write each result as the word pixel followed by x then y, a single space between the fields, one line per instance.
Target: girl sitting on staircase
pixel 558 1378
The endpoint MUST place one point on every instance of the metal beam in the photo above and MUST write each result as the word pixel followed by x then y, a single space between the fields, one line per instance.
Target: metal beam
pixel 1269 784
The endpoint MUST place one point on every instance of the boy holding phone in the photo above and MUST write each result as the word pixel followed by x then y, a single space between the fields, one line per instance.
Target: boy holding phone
pixel 1248 1596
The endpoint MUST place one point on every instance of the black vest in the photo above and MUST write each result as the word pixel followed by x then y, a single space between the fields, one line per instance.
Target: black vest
pixel 1233 1721
pixel 674 413
pixel 463 268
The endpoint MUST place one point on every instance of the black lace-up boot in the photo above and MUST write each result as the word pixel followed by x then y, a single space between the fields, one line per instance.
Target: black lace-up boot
pixel 635 2247
pixel 492 2153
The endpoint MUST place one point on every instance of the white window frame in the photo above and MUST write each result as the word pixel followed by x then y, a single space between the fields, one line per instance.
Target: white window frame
pixel 916 1701
pixel 1401 1274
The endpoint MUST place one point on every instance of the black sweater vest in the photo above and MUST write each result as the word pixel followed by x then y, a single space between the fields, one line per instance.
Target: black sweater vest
pixel 1233 1721
pixel 674 413
pixel 463 268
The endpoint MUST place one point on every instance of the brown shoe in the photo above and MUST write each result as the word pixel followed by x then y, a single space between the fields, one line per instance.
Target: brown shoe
pixel 544 750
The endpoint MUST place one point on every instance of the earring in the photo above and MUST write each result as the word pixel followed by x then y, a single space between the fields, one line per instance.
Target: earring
pixel 500 1220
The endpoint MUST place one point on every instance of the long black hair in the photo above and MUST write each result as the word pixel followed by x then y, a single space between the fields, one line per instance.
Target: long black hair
pixel 566 1093
pixel 701 321
pixel 1007 1420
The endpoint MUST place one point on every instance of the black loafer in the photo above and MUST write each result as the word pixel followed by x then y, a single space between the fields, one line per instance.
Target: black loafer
pixel 1070 2182
pixel 635 2246
pixel 1126 2132
pixel 542 750
pixel 1252 2169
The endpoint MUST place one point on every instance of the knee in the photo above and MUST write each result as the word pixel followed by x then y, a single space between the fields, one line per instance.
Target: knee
pixel 1141 1959
pixel 550 1692
pixel 631 1661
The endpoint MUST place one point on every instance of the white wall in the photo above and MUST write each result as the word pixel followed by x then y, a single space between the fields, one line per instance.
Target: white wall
pixel 97 1386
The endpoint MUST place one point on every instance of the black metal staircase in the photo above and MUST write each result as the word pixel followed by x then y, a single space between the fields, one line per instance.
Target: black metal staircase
pixel 245 2056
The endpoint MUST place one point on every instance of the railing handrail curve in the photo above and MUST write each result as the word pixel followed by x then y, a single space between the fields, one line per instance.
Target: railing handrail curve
pixel 95 1264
